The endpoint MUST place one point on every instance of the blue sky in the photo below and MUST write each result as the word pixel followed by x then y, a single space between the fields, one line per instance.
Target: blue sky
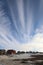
pixel 21 24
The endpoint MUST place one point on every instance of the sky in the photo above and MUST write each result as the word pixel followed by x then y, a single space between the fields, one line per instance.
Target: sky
pixel 21 25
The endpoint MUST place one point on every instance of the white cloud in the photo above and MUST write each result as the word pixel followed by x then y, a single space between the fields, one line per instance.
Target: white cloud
pixel 36 44
pixel 40 29
pixel 21 13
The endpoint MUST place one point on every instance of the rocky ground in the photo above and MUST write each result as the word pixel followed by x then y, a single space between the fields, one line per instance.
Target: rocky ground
pixel 34 60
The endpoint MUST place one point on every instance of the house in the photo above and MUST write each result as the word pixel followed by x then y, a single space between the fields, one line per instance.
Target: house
pixel 9 52
pixel 2 52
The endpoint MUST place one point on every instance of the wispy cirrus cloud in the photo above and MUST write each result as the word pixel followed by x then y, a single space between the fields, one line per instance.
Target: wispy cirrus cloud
pixel 21 24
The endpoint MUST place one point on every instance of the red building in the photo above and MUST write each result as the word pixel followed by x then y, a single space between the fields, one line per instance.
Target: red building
pixel 11 52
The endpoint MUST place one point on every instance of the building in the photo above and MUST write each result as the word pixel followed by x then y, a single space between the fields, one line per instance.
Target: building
pixel 9 52
pixel 2 52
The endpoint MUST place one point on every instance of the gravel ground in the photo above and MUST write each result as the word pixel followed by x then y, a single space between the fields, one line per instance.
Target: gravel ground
pixel 11 62
pixel 8 60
